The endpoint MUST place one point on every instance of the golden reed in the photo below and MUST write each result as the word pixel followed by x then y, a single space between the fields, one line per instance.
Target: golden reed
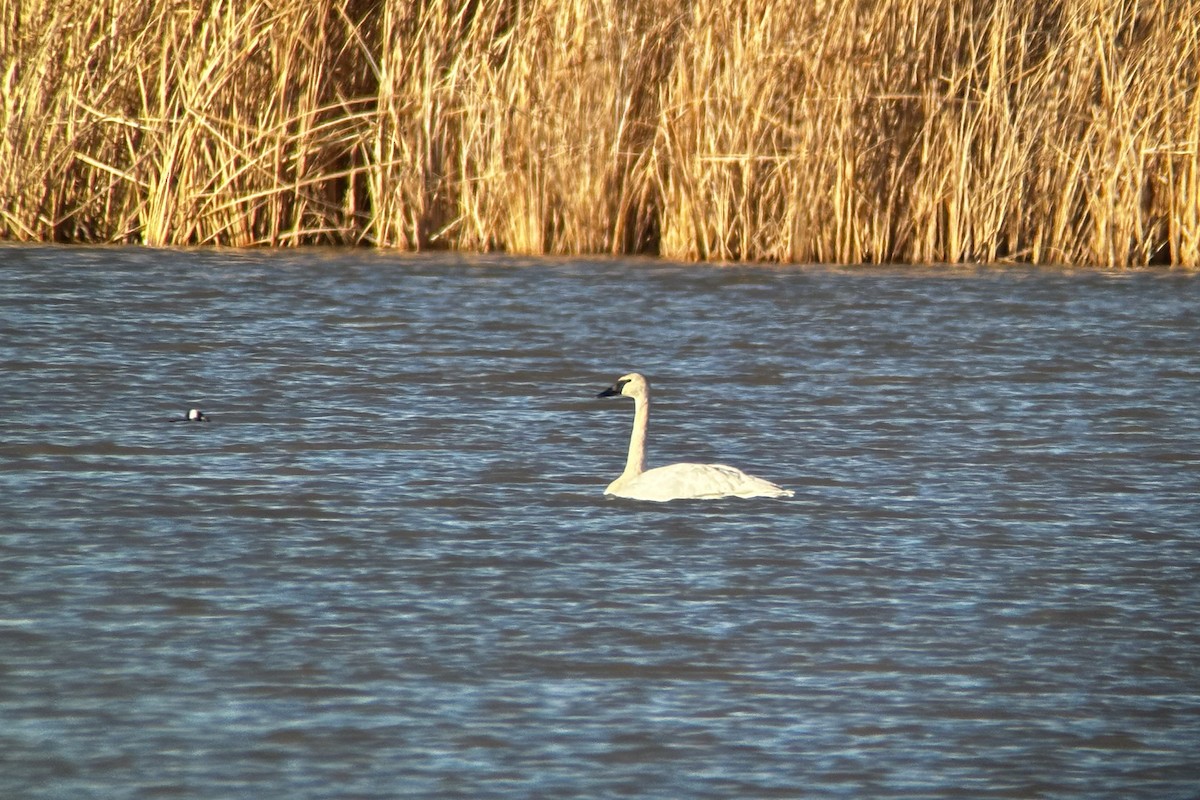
pixel 1052 131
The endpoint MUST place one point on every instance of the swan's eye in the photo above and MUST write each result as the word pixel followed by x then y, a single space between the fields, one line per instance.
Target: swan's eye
pixel 621 385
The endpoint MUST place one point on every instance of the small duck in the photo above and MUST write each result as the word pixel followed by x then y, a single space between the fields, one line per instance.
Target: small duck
pixel 193 415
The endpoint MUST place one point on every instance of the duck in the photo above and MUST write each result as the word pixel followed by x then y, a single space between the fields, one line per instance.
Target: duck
pixel 193 415
pixel 684 481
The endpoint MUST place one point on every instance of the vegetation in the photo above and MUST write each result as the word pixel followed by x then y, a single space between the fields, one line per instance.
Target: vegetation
pixel 1063 131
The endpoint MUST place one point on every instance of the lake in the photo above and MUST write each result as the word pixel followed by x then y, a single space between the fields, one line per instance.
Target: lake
pixel 387 567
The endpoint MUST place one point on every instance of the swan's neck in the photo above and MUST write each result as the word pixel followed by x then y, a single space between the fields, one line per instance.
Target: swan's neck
pixel 635 464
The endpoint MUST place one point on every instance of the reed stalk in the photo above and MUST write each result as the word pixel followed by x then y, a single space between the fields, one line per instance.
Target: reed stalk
pixel 1062 131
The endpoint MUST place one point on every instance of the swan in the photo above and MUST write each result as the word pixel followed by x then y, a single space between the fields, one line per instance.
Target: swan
pixel 675 481
pixel 193 415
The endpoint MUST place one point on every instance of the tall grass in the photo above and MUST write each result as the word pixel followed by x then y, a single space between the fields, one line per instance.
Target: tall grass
pixel 1064 131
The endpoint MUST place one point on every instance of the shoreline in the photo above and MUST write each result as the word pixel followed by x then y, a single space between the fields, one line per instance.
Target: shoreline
pixel 497 258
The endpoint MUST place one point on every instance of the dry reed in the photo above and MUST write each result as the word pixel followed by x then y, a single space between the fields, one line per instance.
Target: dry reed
pixel 1062 131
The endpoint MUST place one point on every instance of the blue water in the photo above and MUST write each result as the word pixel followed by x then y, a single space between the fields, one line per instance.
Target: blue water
pixel 386 568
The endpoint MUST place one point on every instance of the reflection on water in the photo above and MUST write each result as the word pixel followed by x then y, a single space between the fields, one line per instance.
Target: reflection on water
pixel 386 567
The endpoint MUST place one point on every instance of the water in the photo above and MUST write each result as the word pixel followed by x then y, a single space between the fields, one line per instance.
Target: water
pixel 386 568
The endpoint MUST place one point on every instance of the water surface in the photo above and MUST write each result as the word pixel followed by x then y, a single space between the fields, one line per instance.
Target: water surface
pixel 386 567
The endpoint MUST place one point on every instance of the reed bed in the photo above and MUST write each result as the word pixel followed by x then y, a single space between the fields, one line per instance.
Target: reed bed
pixel 837 131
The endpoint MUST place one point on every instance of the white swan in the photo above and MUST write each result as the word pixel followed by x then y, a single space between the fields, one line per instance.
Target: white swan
pixel 676 481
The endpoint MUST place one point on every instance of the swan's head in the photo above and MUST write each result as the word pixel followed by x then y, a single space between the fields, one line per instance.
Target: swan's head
pixel 196 415
pixel 631 385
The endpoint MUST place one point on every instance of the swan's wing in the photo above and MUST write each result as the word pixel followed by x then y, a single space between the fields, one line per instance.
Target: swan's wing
pixel 696 481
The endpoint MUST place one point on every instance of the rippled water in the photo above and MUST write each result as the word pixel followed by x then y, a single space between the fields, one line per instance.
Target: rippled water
pixel 387 569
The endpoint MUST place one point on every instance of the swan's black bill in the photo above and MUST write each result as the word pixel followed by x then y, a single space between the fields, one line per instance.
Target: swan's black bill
pixel 613 390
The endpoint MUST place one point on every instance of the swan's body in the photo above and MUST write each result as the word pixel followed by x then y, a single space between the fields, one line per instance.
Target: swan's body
pixel 676 481
pixel 193 415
